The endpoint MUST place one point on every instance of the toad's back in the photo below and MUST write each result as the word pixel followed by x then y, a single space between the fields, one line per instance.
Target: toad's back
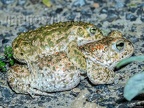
pixel 50 39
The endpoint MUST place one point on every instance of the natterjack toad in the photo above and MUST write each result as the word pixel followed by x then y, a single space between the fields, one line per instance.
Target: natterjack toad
pixel 54 57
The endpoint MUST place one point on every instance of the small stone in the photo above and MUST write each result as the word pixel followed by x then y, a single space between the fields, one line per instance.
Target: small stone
pixel 130 17
pixel 35 1
pixel 76 90
pixel 92 8
pixel 112 17
pixel 119 4
pixel 142 18
pixel 49 106
pixel 93 97
pixel 96 5
pixel 22 29
pixel 118 26
pixel 48 99
pixel 132 9
pixel 1 38
pixel 104 10
pixel 86 13
pixel 22 2
pixel 122 106
pixel 140 11
pixel 79 3
pixel 26 12
pixel 40 103
pixel 6 94
pixel 127 1
pixel 71 17
pixel 7 34
pixel 5 41
pixel 122 13
pixel 59 10
pixel 7 1
pixel 133 28
pixel 100 2
pixel 111 106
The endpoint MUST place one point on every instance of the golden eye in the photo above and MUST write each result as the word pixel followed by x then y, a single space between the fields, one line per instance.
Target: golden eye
pixel 119 45
pixel 93 30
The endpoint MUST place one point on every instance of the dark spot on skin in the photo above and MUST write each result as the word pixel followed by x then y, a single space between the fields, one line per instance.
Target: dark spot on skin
pixel 16 46
pixel 21 54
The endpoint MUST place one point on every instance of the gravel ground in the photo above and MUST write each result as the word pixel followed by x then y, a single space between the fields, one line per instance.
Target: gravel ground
pixel 126 16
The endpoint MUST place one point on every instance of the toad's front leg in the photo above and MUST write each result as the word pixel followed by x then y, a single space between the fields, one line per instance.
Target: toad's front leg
pixel 99 74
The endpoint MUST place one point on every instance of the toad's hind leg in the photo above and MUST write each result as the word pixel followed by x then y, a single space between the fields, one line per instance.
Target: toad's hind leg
pixel 55 73
pixel 99 74
pixel 19 78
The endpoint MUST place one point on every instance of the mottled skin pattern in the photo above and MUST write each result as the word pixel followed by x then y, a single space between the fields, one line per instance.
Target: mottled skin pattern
pixel 54 57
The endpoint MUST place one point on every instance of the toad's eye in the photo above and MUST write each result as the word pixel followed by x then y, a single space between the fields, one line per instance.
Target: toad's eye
pixel 93 30
pixel 119 46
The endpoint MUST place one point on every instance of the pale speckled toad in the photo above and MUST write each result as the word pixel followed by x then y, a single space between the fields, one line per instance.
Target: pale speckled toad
pixel 54 57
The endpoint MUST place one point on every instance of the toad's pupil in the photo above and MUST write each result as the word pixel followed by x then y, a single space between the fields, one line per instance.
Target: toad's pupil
pixel 120 46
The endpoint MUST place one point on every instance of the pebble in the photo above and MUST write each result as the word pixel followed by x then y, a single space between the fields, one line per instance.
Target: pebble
pixel 40 103
pixel 71 17
pixel 1 38
pixel 48 99
pixel 4 41
pixel 112 17
pixel 142 18
pixel 8 34
pixel 27 12
pixel 26 97
pixel 140 11
pixel 130 17
pixel 112 14
pixel 118 27
pixel 93 97
pixel 7 95
pixel 122 13
pixel 119 4
pixel 79 3
pixel 22 2
pixel 22 29
pixel 133 10
pixel 96 5
pixel 133 28
pixel 92 8
pixel 104 10
pixel 49 106
pixel 122 106
pixel 100 2
pixel 85 14
pixel 7 1
pixel 35 1
pixel 59 10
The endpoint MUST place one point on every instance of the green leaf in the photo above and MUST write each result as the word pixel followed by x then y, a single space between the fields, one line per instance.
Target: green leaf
pixel 134 86
pixel 11 61
pixel 9 55
pixel 131 59
pixel 4 69
pixel 2 66
pixel 47 3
